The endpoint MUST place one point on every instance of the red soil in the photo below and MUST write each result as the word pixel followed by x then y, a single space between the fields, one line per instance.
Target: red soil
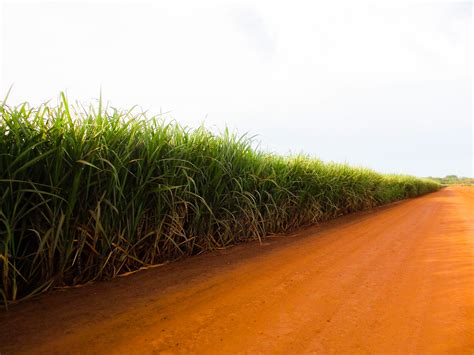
pixel 399 279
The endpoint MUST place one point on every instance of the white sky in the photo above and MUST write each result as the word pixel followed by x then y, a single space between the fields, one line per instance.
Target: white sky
pixel 386 85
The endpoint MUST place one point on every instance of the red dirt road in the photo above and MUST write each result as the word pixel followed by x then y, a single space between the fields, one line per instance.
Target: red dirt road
pixel 399 279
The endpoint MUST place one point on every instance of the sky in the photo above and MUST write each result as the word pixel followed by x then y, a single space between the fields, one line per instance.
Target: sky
pixel 385 84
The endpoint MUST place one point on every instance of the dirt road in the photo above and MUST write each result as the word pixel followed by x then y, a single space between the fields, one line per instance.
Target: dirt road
pixel 399 279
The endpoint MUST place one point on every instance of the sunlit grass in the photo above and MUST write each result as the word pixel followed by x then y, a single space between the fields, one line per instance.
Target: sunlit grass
pixel 88 194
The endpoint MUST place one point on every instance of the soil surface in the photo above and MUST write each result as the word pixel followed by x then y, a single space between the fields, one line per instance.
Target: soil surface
pixel 398 279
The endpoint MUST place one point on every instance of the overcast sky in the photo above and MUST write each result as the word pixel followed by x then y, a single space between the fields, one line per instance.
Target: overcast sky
pixel 385 85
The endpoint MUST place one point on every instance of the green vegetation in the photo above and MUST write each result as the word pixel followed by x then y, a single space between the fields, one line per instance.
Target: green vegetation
pixel 87 194
pixel 454 180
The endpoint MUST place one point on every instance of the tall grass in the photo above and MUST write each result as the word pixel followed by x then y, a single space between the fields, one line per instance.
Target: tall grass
pixel 88 194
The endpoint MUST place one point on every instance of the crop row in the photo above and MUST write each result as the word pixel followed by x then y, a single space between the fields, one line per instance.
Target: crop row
pixel 90 193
